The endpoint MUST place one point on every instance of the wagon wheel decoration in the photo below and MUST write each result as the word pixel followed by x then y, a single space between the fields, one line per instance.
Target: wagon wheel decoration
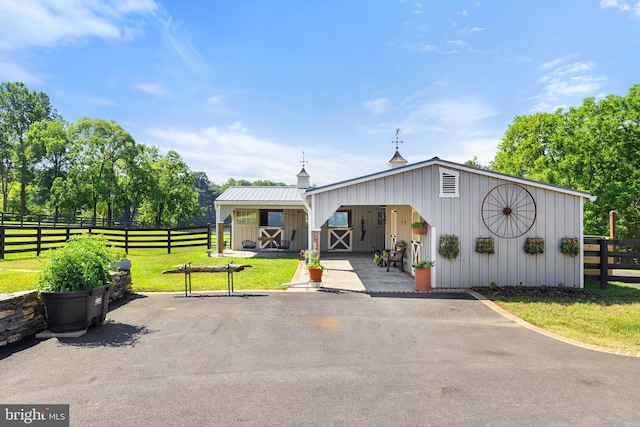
pixel 508 211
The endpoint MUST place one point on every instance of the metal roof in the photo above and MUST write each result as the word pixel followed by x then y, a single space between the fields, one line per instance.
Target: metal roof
pixel 445 163
pixel 261 195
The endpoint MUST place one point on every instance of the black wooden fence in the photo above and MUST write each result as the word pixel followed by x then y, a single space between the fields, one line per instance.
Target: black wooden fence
pixel 607 259
pixel 17 239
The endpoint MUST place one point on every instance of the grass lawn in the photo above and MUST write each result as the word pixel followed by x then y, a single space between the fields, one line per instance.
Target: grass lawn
pixel 608 318
pixel 148 264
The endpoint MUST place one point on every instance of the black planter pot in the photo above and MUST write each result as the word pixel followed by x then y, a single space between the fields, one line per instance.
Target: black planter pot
pixel 76 310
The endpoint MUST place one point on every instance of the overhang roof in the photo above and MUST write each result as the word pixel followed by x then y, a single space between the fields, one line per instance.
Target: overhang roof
pixel 261 195
pixel 446 164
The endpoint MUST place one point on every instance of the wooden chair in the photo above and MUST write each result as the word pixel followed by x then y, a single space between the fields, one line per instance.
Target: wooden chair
pixel 396 256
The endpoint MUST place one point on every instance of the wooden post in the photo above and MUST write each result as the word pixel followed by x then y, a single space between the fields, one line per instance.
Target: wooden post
pixel 612 224
pixel 2 241
pixel 168 240
pixel 208 236
pixel 126 240
pixel 39 240
pixel 220 238
pixel 603 263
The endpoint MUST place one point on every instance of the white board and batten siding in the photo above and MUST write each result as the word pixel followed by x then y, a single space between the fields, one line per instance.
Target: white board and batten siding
pixel 420 186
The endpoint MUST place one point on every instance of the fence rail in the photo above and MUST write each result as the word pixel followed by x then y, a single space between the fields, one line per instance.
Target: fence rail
pixel 611 255
pixel 23 239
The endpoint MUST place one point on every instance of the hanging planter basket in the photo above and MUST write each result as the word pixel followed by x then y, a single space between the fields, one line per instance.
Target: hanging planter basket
pixel 420 230
pixel 534 245
pixel 485 245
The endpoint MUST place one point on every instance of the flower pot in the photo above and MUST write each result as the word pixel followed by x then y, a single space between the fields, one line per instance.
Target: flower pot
pixel 419 230
pixel 76 310
pixel 315 274
pixel 422 278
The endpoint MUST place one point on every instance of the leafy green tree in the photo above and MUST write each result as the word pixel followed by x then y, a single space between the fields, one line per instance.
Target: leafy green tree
pixel 594 147
pixel 99 146
pixel 19 109
pixel 53 138
pixel 171 198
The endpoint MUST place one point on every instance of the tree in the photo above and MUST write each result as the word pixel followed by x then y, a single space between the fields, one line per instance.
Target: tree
pixel 53 138
pixel 172 198
pixel 594 147
pixel 99 149
pixel 19 109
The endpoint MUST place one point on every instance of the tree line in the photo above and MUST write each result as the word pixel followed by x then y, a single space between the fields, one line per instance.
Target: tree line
pixel 50 166
pixel 594 147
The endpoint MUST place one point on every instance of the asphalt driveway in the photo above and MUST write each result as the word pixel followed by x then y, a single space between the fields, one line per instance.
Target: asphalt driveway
pixel 318 359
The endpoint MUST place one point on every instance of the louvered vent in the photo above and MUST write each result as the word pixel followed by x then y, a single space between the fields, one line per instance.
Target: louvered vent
pixel 448 183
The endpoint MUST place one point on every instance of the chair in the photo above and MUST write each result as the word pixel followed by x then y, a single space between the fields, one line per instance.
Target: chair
pixel 284 245
pixel 397 256
pixel 248 245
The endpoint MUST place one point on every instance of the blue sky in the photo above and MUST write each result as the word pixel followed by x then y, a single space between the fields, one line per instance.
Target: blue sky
pixel 241 88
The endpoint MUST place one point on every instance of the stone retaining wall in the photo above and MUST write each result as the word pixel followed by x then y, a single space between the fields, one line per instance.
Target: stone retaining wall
pixel 23 314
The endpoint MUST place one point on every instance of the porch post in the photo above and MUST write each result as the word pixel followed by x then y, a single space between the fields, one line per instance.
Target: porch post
pixel 220 238
pixel 432 256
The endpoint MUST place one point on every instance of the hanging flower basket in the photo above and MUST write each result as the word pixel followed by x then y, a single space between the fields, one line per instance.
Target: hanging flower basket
pixel 449 246
pixel 419 227
pixel 570 246
pixel 485 245
pixel 534 245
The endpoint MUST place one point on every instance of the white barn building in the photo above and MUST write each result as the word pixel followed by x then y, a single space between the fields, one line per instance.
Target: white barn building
pixel 377 210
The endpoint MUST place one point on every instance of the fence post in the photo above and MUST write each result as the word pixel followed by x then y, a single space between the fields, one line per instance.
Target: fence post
pixel 208 236
pixel 604 260
pixel 168 240
pixel 126 241
pixel 39 240
pixel 1 241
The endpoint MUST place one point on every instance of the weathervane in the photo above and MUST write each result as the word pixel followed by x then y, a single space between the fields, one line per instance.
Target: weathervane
pixel 303 161
pixel 398 131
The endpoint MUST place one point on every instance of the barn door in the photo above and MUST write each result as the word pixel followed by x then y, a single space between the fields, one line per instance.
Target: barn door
pixel 340 239
pixel 270 237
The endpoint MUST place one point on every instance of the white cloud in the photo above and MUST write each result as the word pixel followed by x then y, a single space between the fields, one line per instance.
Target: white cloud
pixel 564 81
pixel 615 3
pixel 48 23
pixel 45 23
pixel 233 152
pixel 152 89
pixel 378 106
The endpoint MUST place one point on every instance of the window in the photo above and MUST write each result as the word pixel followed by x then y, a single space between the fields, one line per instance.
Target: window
pixel 382 218
pixel 449 183
pixel 246 217
pixel 271 218
pixel 340 219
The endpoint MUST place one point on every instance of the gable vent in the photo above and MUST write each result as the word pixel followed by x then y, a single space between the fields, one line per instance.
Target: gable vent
pixel 449 183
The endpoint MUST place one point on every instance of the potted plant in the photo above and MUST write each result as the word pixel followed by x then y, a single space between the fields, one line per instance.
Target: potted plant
pixel 570 246
pixel 75 284
pixel 449 246
pixel 422 274
pixel 419 227
pixel 534 245
pixel 315 268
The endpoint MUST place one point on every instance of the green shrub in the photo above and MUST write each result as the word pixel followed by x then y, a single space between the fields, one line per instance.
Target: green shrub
pixel 83 263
